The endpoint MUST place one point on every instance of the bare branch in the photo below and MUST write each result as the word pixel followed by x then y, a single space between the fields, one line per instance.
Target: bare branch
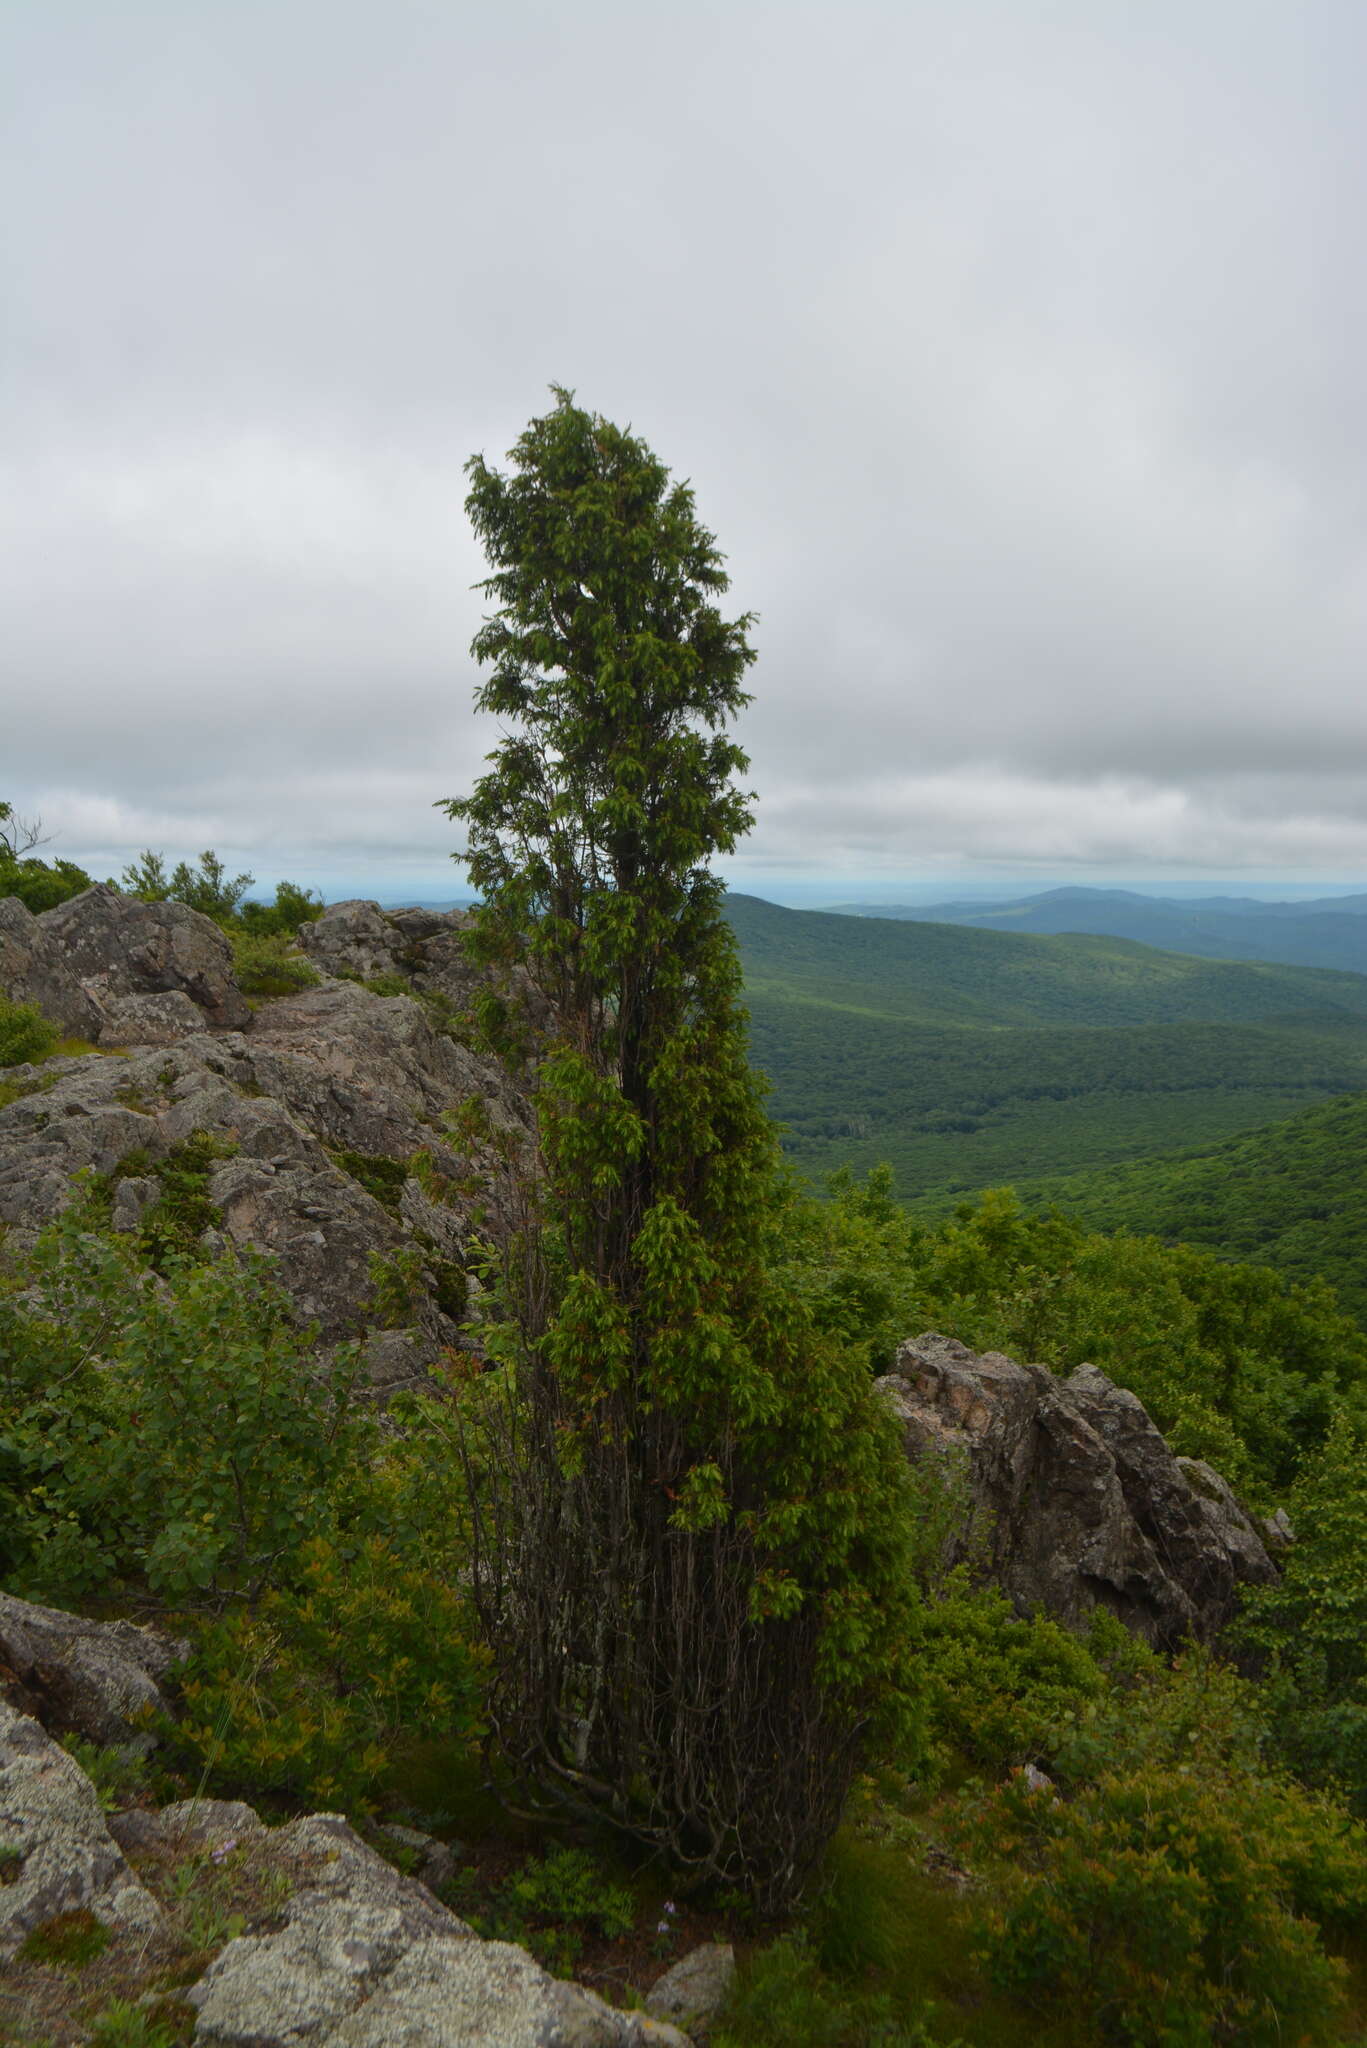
pixel 19 835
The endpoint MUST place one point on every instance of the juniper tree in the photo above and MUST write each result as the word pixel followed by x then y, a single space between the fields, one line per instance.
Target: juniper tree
pixel 690 1535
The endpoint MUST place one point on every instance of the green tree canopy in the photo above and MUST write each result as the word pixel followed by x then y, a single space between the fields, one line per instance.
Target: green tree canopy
pixel 693 1557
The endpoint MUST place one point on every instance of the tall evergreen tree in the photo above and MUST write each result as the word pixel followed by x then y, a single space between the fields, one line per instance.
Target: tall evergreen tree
pixel 690 1544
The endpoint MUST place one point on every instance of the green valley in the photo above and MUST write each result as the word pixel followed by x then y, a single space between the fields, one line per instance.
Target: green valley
pixel 968 1059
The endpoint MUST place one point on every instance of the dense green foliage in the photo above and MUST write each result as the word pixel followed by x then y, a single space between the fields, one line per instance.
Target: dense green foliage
pixel 39 884
pixel 265 963
pixel 177 1438
pixel 1176 1891
pixel 26 1036
pixel 165 1436
pixel 1313 1623
pixel 692 1568
pixel 1292 1194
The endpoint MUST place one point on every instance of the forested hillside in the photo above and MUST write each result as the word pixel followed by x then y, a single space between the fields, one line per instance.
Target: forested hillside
pixel 970 1059
pixel 1291 1195
pixel 943 974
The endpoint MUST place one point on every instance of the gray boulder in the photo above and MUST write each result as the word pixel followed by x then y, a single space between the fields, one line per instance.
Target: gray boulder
pixel 425 948
pixel 118 946
pixel 99 1679
pixel 367 1958
pixel 35 969
pixel 1073 1499
pixel 67 1860
pixel 422 946
pixel 693 1993
pixel 159 1019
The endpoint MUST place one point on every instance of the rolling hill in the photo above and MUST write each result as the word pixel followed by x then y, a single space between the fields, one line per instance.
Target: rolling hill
pixel 970 1058
pixel 1291 1195
pixel 1329 931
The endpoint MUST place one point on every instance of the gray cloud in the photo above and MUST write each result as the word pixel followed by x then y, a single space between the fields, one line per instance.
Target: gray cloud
pixel 1014 353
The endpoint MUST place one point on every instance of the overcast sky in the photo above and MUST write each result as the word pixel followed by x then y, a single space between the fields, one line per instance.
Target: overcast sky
pixel 1015 352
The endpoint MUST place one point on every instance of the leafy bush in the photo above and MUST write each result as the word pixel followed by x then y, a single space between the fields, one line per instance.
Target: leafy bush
pixel 292 907
pixel 1312 1624
pixel 171 1433
pixel 26 1036
pixel 999 1688
pixel 1178 1895
pixel 265 964
pixel 1157 1907
pixel 784 1999
pixel 309 1692
pixel 41 885
pixel 381 1178
pixel 182 1211
pixel 549 1905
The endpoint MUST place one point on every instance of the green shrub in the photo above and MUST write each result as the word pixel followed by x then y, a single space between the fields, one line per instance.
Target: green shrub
pixel 397 1287
pixel 784 1999
pixel 1157 1907
pixel 41 885
pixel 266 964
pixel 292 907
pixel 172 1433
pixel 1172 1890
pixel 1312 1623
pixel 309 1693
pixel 25 1034
pixel 998 1687
pixel 173 1225
pixel 380 1177
pixel 550 1905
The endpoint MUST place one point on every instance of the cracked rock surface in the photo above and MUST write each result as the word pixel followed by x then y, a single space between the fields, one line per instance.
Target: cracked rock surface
pixel 368 1958
pixel 1074 1499
pixel 50 1814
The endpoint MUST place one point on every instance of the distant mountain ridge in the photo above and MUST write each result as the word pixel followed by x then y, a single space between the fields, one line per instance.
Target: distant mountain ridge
pixel 1327 931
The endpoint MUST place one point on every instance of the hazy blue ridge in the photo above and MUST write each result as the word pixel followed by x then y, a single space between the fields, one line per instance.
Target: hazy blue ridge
pixel 1324 932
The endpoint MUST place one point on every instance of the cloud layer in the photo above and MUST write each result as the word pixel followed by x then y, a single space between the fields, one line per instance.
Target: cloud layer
pixel 1014 354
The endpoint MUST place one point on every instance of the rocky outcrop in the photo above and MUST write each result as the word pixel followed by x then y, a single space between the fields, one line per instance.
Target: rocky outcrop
pixel 118 946
pixel 116 971
pixel 422 948
pixel 342 1950
pixel 34 969
pixel 368 1958
pixel 99 1679
pixel 326 1114
pixel 1073 1499
pixel 59 1854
